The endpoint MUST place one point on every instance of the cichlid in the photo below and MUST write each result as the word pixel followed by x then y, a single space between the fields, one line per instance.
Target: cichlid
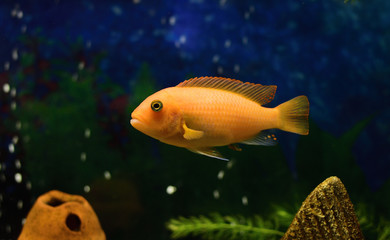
pixel 202 113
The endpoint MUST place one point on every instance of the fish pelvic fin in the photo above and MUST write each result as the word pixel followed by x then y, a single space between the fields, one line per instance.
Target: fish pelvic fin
pixel 209 152
pixel 294 115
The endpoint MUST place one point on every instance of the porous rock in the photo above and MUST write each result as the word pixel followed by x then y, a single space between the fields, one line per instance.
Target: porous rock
pixel 57 215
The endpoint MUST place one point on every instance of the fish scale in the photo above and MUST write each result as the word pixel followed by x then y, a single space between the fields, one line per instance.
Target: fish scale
pixel 225 117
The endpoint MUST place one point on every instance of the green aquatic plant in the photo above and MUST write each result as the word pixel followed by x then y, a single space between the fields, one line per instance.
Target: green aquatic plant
pixel 215 227
pixel 383 229
pixel 61 133
pixel 373 214
pixel 60 128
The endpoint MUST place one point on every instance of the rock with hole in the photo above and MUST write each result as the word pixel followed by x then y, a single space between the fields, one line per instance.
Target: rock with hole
pixel 57 215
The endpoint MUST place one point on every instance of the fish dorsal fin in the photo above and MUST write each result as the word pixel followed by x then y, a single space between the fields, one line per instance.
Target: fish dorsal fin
pixel 255 92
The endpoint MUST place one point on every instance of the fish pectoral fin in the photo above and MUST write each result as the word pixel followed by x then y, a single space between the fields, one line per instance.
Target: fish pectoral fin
pixel 191 134
pixel 210 152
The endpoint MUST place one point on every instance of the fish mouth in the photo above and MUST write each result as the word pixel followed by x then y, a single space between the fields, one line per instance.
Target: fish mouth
pixel 140 125
pixel 136 121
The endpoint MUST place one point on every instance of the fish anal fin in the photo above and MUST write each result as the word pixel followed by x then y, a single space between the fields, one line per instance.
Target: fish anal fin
pixel 261 94
pixel 235 147
pixel 210 152
pixel 264 138
pixel 191 134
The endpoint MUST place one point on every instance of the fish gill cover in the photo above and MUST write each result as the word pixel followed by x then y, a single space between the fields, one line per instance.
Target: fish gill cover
pixel 72 71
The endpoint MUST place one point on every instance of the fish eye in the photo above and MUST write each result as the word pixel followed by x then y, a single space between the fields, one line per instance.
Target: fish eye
pixel 156 105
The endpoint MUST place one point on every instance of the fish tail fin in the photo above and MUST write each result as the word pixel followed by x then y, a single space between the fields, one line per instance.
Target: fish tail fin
pixel 294 115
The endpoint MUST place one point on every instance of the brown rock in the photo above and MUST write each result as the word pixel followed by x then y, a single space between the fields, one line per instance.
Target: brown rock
pixel 327 213
pixel 57 215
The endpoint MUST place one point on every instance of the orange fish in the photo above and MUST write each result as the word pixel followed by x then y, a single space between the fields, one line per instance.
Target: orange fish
pixel 202 113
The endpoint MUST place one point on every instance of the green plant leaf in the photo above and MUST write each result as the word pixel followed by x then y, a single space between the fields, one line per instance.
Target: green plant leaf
pixel 217 227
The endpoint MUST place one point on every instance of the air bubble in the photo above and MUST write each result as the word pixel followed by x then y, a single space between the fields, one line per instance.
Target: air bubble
pixel 81 65
pixel 13 92
pixel 171 189
pixel 13 105
pixel 228 43
pixel 19 204
pixel 18 177
pixel 229 164
pixel 19 14
pixel 28 185
pixel 6 88
pixel 87 133
pixel 15 54
pixel 215 58
pixel 172 20
pixel 11 148
pixel 182 39
pixel 221 174
pixel 220 70
pixel 117 10
pixel 7 65
pixel 244 201
pixel 14 12
pixel 87 189
pixel 83 157
pixel 216 194
pixel 236 68
pixel 18 164
pixel 107 175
